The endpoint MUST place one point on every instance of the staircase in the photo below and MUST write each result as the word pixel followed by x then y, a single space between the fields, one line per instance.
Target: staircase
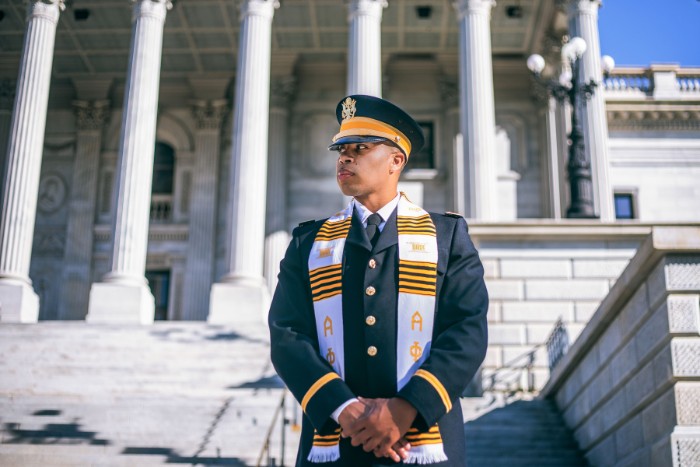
pixel 525 433
pixel 76 394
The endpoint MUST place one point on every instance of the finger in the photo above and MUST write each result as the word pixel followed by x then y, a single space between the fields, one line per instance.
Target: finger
pixel 402 447
pixel 391 454
pixel 354 428
pixel 371 444
pixel 361 438
pixel 386 454
pixel 403 454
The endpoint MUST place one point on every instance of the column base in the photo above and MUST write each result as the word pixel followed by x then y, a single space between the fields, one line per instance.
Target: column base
pixel 238 303
pixel 114 303
pixel 18 303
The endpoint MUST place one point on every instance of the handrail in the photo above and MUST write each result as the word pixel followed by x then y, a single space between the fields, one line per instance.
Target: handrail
pixel 507 379
pixel 268 436
pixel 557 344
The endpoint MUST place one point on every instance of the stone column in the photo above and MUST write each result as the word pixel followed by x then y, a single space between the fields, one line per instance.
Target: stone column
pixel 123 295
pixel 18 301
pixel 276 236
pixel 242 293
pixel 77 262
pixel 7 98
pixel 478 119
pixel 199 269
pixel 449 92
pixel 550 166
pixel 583 22
pixel 365 47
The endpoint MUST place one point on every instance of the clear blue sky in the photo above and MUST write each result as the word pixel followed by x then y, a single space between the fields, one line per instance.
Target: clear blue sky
pixel 642 32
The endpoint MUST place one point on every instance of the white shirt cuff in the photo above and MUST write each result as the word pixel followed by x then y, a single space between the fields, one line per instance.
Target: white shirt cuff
pixel 336 413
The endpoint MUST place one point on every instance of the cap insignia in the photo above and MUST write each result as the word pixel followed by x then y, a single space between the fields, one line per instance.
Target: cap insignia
pixel 349 108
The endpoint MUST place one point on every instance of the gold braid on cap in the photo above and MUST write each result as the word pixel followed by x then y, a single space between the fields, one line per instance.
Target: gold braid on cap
pixel 365 126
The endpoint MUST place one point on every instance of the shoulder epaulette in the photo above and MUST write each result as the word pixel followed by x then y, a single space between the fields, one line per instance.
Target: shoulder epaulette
pixel 453 214
pixel 302 224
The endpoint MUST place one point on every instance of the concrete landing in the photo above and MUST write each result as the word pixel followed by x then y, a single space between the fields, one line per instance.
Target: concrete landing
pixel 73 393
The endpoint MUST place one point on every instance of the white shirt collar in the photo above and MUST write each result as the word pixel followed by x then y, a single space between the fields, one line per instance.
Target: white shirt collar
pixel 384 212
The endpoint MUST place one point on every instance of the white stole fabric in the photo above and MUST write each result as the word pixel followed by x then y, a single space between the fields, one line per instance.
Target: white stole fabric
pixel 418 257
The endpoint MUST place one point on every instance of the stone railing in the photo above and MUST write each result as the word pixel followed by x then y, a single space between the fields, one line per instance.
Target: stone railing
pixel 658 81
pixel 161 208
pixel 629 387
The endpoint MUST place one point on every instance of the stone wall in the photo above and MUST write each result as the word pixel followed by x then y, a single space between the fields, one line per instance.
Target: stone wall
pixel 629 387
pixel 539 272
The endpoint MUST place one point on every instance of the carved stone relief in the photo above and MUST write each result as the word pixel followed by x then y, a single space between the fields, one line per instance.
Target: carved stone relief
pixel 52 193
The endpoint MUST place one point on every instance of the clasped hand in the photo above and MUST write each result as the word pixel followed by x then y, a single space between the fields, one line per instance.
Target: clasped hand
pixel 379 426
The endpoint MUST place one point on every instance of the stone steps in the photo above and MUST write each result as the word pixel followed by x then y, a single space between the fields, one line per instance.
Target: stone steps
pixel 78 394
pixel 522 434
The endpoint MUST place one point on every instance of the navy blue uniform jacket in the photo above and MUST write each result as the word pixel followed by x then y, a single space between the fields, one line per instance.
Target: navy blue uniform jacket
pixel 458 347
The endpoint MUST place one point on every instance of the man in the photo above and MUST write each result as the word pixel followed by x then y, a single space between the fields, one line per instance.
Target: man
pixel 378 322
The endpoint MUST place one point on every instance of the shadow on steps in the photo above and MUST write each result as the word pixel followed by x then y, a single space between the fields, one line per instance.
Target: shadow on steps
pixel 522 434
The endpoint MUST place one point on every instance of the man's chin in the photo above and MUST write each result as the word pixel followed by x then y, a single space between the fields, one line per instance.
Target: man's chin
pixel 346 190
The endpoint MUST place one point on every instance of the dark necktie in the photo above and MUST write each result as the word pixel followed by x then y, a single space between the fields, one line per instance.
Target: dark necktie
pixel 373 222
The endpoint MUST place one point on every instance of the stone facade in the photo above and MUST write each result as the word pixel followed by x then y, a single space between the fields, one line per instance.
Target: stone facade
pixel 628 387
pixel 191 232
pixel 539 273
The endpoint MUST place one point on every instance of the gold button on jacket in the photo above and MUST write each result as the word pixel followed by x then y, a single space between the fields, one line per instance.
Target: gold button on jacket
pixel 372 263
pixel 370 320
pixel 370 291
pixel 371 351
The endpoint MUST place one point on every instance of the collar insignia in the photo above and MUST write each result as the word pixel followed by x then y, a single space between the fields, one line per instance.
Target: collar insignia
pixel 349 108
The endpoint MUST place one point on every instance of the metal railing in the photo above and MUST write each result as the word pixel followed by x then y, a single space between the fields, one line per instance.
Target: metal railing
pixel 516 378
pixel 266 451
pixel 512 380
pixel 557 344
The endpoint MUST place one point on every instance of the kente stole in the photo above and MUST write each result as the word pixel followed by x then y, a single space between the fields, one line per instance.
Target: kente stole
pixel 418 257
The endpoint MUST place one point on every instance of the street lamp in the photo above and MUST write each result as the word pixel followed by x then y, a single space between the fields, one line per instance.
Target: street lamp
pixel 568 87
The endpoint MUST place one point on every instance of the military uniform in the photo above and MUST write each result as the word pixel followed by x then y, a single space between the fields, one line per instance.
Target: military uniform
pixel 370 299
pixel 370 285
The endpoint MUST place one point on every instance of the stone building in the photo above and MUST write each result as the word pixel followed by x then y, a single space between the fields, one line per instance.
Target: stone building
pixel 159 153
pixel 181 91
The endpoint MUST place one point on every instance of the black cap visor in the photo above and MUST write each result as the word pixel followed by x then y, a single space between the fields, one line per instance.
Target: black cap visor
pixel 352 139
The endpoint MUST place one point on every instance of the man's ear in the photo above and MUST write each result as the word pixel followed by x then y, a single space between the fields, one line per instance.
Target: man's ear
pixel 398 161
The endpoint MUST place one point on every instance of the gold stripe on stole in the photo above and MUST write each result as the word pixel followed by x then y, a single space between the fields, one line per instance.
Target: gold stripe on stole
pixel 417 277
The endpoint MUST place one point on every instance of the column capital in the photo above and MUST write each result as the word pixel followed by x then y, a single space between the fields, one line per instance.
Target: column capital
pixel 366 8
pixel 465 7
pixel 91 115
pixel 209 114
pixel 46 9
pixel 590 7
pixel 151 8
pixel 539 93
pixel 7 93
pixel 264 8
pixel 449 91
pixel 282 90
